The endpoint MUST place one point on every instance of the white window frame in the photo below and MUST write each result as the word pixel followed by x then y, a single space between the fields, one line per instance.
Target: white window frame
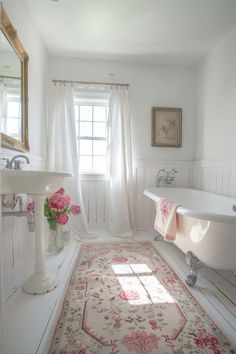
pixel 96 101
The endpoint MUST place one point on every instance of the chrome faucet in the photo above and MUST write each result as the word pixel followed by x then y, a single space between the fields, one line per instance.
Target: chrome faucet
pixel 17 163
pixel 168 176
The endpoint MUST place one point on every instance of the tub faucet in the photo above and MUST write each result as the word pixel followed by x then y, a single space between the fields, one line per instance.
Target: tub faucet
pixel 17 163
pixel 168 176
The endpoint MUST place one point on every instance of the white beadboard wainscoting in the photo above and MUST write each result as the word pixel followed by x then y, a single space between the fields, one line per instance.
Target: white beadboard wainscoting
pixel 216 175
pixel 95 201
pixel 95 196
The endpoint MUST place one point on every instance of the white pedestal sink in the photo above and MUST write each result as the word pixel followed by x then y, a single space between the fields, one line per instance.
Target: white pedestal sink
pixel 38 184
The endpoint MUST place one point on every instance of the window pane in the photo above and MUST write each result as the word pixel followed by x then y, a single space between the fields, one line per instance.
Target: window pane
pixel 100 164
pixel 86 113
pixel 99 129
pixel 85 129
pixel 86 147
pixel 13 109
pixel 99 113
pixel 86 163
pixel 100 147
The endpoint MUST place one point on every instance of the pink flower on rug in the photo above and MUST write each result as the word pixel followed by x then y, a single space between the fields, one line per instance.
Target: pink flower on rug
pixel 81 351
pixel 117 324
pixel 129 295
pixel 80 287
pixel 153 324
pixel 120 260
pixel 141 342
pixel 75 209
pixel 208 342
pixel 62 219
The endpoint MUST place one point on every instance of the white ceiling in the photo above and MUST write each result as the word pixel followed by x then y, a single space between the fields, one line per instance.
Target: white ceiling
pixel 180 31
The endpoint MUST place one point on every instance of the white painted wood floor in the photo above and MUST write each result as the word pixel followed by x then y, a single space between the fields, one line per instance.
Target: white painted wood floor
pixel 29 320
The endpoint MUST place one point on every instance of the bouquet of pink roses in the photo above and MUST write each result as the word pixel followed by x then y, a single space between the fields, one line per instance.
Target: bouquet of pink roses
pixel 57 208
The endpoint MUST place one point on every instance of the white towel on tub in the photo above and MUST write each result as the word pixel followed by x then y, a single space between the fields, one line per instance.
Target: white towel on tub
pixel 166 219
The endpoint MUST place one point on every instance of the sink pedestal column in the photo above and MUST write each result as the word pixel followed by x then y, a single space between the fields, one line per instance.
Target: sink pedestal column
pixel 41 281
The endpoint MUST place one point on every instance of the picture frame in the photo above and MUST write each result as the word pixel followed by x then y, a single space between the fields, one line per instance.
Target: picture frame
pixel 166 127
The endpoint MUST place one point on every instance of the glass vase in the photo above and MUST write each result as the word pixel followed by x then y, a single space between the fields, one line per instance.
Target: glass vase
pixel 56 242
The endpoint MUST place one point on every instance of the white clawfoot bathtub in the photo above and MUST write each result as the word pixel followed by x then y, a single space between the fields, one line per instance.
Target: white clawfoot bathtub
pixel 206 224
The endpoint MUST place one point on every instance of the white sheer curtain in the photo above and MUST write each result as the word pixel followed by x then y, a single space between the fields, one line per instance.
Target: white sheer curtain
pixel 120 185
pixel 62 151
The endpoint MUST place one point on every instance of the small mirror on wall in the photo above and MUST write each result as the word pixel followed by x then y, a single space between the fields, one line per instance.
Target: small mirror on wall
pixel 166 127
pixel 13 87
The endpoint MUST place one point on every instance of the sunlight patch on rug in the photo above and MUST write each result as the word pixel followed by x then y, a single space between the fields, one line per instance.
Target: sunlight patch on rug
pixel 123 298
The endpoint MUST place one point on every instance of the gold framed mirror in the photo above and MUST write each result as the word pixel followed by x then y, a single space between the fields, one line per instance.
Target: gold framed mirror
pixel 13 87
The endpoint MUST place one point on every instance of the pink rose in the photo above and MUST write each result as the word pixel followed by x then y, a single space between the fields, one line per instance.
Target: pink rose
pixel 80 287
pixel 75 209
pixel 81 351
pixel 153 324
pixel 58 201
pixel 62 219
pixel 120 259
pixel 129 295
pixel 60 191
pixel 117 324
pixel 141 342
pixel 30 207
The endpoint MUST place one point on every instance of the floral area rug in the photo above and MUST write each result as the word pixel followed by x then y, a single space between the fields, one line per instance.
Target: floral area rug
pixel 124 298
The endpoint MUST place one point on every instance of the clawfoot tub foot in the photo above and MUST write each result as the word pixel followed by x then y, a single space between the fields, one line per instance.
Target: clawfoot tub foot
pixel 158 237
pixel 194 264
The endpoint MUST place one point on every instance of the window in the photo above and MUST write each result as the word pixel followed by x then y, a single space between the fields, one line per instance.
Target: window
pixel 91 131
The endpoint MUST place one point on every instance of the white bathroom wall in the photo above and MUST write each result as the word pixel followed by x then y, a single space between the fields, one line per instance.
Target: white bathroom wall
pixel 17 243
pixel 217 101
pixel 150 85
pixel 215 168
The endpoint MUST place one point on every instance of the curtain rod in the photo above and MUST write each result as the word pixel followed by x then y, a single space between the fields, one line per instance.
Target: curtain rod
pixel 89 82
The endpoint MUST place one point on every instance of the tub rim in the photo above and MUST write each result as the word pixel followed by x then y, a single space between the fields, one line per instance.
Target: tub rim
pixel 181 210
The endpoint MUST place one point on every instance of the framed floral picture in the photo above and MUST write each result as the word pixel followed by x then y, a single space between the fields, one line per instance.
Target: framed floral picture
pixel 166 127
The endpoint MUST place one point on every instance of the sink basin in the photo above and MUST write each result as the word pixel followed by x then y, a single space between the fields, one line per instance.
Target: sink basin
pixel 31 182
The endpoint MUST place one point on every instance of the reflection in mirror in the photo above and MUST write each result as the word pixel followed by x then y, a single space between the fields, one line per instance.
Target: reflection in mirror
pixel 10 89
pixel 13 87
